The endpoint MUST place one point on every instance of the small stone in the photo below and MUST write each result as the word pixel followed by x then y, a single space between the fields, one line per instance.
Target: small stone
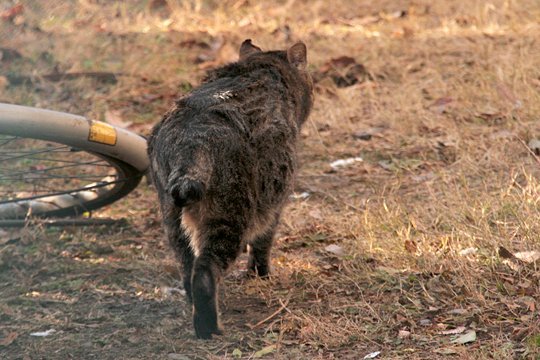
pixel 362 135
pixel 534 145
pixel 335 249
pixel 403 334
pixel 174 356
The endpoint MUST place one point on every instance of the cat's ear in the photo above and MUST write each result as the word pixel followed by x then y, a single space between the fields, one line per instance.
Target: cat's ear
pixel 247 48
pixel 297 55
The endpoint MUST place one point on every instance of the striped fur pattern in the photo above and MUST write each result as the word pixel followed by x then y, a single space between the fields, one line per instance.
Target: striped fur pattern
pixel 223 163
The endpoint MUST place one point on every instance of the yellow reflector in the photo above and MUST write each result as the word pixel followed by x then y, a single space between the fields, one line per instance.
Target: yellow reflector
pixel 102 133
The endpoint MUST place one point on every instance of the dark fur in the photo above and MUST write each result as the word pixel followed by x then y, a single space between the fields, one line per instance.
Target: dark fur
pixel 223 161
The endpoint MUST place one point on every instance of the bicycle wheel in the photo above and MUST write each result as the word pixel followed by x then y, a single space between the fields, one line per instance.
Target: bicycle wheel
pixel 55 164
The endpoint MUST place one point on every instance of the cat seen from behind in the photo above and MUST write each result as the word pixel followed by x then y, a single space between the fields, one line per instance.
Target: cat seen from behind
pixel 223 163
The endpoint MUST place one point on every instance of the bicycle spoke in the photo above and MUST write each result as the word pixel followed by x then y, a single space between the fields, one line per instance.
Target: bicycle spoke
pixel 49 177
pixel 44 188
pixel 72 192
pixel 7 140
pixel 40 176
pixel 73 164
pixel 98 162
pixel 25 154
pixel 37 169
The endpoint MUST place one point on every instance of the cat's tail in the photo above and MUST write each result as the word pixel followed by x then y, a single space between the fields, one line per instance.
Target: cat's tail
pixel 184 189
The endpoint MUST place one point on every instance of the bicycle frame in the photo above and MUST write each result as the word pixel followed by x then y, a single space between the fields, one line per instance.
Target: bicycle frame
pixel 80 132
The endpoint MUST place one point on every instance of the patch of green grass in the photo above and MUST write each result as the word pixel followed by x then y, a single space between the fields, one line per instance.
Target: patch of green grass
pixel 533 343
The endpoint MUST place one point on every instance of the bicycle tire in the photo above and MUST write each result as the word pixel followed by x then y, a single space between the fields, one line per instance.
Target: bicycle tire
pixel 115 148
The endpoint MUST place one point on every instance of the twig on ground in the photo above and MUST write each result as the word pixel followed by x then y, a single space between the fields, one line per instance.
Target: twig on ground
pixel 105 77
pixel 535 157
pixel 336 200
pixel 275 313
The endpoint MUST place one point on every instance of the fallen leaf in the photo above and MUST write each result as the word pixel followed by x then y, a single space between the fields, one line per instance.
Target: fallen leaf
pixel 316 214
pixel 318 237
pixel 8 339
pixel 372 355
pixel 388 270
pixel 441 104
pixel 510 259
pixel 445 351
pixel 403 334
pixel 387 165
pixel 502 134
pixel 368 133
pixel 192 43
pixel 455 331
pixel 423 177
pixel 7 54
pixel 300 196
pixel 337 63
pixel 265 351
pixel 468 337
pixel 410 246
pixel 284 32
pixel 394 15
pixel 525 284
pixel 174 356
pixel 13 11
pixel 504 253
pixel 335 249
pixel 534 145
pixel 529 302
pixel 217 51
pixel 363 135
pixel 237 353
pixel 345 162
pixel 468 251
pixel 43 333
pixel 489 113
pixel 134 339
pixel 170 291
pixel 508 94
pixel 9 236
pixel 344 71
pixel 156 5
pixel 458 311
pixel 528 256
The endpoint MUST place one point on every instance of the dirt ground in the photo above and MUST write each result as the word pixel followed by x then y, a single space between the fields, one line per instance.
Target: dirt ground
pixel 424 247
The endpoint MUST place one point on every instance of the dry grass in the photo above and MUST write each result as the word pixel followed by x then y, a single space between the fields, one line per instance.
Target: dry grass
pixel 455 93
